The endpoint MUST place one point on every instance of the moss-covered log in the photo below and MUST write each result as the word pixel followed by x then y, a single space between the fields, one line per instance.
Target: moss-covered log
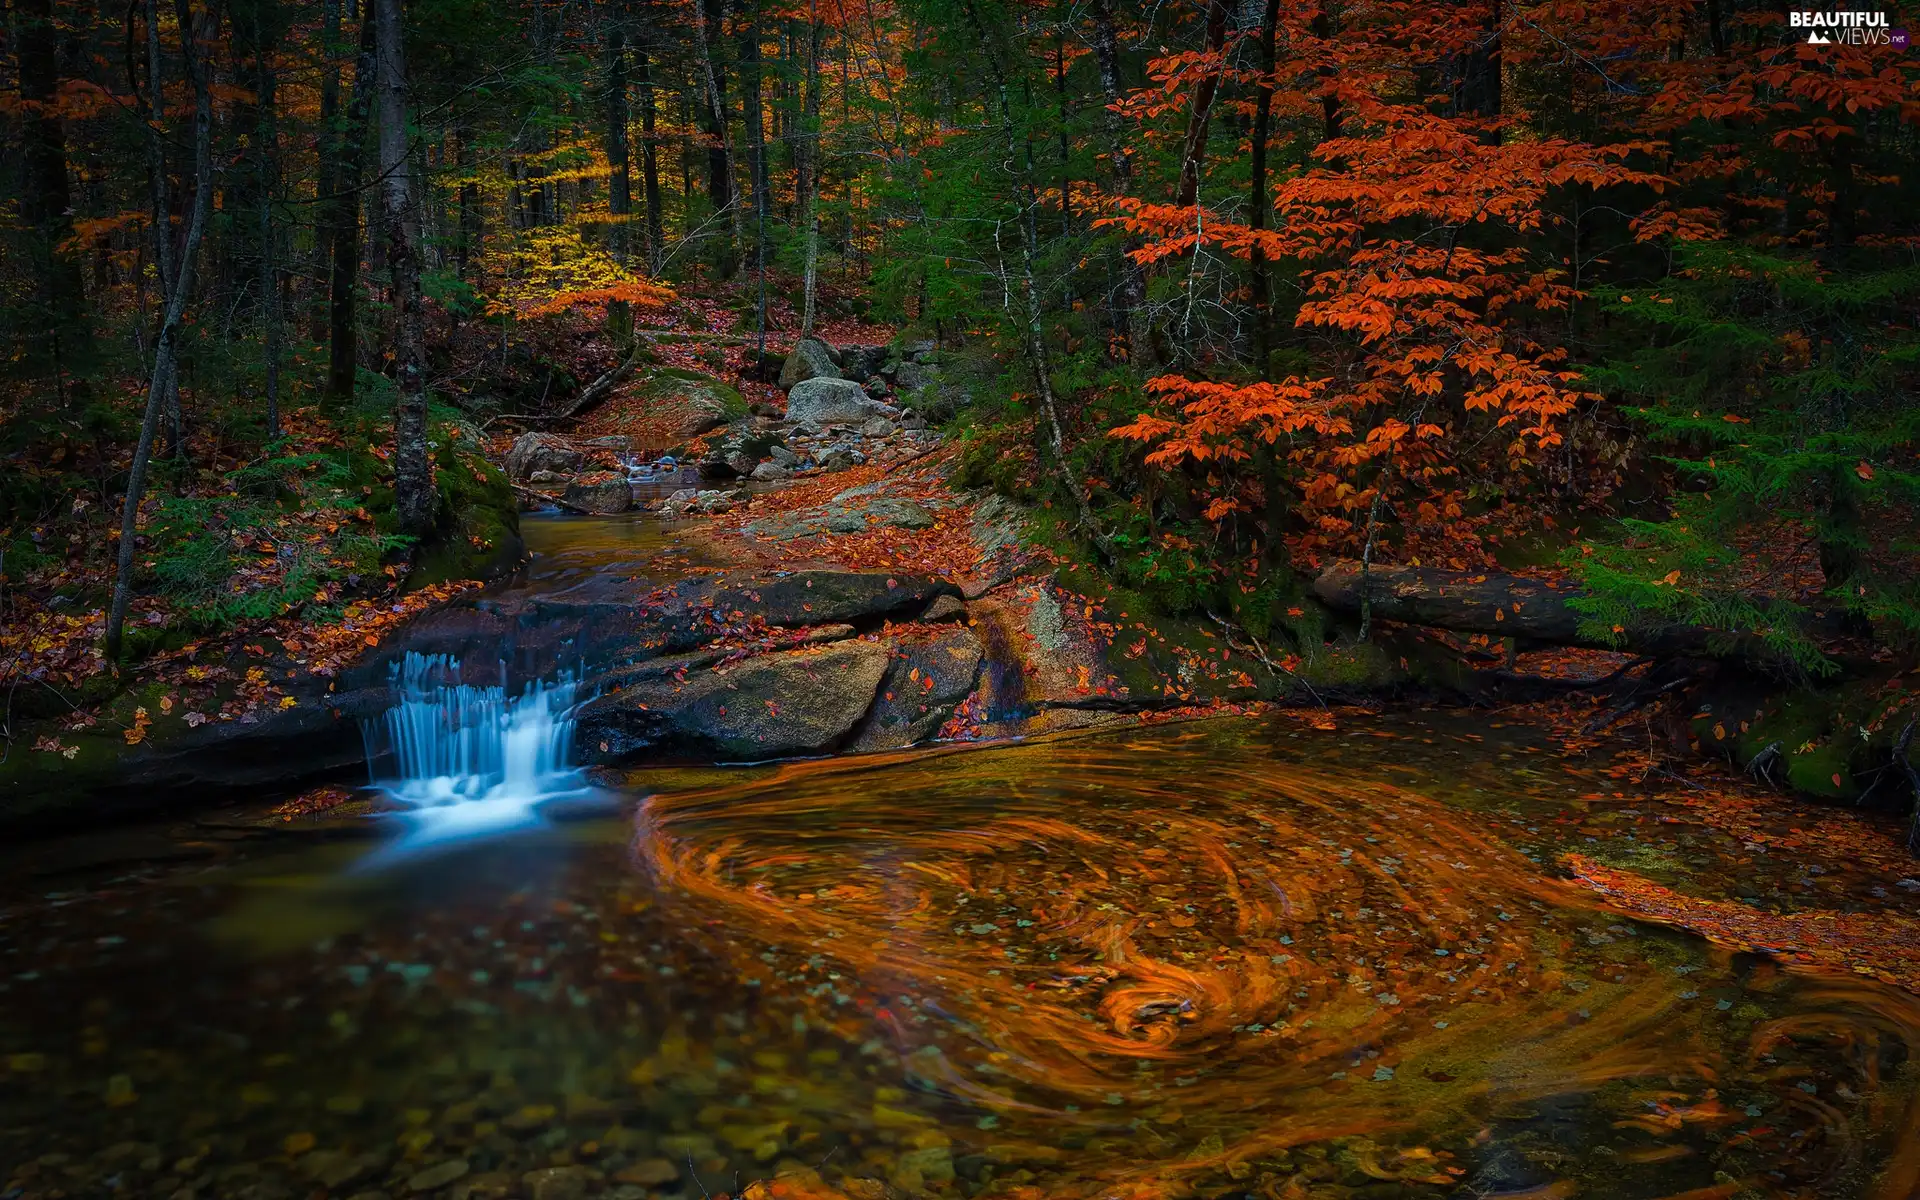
pixel 1514 606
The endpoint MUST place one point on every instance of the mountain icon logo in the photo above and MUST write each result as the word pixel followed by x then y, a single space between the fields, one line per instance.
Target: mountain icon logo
pixel 1816 38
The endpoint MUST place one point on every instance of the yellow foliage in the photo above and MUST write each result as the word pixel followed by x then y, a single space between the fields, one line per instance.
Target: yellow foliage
pixel 555 268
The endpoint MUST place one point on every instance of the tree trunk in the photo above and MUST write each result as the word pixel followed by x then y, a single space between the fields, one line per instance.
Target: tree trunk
pixel 162 208
pixel 267 157
pixel 343 208
pixel 163 381
pixel 810 201
pixel 1193 155
pixel 1330 110
pixel 714 122
pixel 1066 146
pixel 470 233
pixel 46 202
pixel 1480 86
pixel 413 486
pixel 750 85
pixel 1511 606
pixel 1257 216
pixel 329 137
pixel 650 168
pixel 1130 291
pixel 619 165
pixel 1034 341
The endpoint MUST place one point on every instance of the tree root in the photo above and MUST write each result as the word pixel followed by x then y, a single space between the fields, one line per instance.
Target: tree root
pixel 1761 766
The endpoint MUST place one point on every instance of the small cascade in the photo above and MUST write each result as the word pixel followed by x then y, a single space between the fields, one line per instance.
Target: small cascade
pixel 472 759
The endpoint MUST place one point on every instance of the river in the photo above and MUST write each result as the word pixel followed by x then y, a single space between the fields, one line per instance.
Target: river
pixel 1241 956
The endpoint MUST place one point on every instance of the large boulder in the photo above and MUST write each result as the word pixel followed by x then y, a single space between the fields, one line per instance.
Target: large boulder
pixel 912 376
pixel 603 493
pixel 817 402
pixel 734 454
pixel 772 706
pixel 672 405
pixel 542 452
pixel 862 363
pixel 928 678
pixel 824 597
pixel 811 359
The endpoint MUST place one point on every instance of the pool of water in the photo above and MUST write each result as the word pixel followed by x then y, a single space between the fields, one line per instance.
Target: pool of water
pixel 1225 958
pixel 564 548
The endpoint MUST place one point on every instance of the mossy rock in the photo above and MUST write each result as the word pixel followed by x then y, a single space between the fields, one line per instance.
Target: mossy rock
pixel 701 402
pixel 962 379
pixel 479 533
pixel 37 786
pixel 1832 740
pixel 1351 666
pixel 722 399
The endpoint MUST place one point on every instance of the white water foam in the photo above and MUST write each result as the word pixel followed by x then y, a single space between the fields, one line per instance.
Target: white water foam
pixel 472 760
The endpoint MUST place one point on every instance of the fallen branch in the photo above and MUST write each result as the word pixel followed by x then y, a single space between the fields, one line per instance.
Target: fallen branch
pixel 1761 765
pixel 1633 704
pixel 1558 685
pixel 556 501
pixel 602 387
pixel 1260 652
pixel 519 417
pixel 1903 758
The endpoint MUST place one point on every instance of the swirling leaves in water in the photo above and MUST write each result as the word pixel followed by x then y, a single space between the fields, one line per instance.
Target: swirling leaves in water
pixel 1190 971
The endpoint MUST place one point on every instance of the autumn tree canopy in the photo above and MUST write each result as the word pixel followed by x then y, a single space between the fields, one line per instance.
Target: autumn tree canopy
pixel 1271 283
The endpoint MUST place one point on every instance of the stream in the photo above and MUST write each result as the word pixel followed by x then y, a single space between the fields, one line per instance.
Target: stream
pixel 1240 956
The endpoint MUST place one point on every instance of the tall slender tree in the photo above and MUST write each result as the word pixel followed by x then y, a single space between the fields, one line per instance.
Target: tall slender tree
pixel 46 202
pixel 163 374
pixel 413 485
pixel 342 203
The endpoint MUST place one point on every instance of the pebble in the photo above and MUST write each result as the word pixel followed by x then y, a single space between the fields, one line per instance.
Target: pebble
pixel 558 1183
pixel 529 1118
pixel 648 1172
pixel 341 1170
pixel 439 1175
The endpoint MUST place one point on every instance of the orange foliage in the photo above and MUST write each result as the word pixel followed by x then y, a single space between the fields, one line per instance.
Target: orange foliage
pixel 1882 945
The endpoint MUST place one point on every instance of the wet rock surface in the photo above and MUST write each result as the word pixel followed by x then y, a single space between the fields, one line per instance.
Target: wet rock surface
pixel 602 494
pixel 536 453
pixel 929 675
pixel 769 706
pixel 850 515
pixel 735 452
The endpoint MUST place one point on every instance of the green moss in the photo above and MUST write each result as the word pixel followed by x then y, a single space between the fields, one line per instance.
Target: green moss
pixel 1356 665
pixel 479 533
pixel 36 784
pixel 1846 731
pixel 669 383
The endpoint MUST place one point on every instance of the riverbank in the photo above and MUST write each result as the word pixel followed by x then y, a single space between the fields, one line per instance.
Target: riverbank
pixel 761 577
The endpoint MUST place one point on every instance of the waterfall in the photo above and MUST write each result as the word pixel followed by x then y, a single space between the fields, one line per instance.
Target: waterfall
pixel 472 759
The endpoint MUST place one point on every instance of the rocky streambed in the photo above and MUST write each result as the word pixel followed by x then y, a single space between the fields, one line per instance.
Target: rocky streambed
pixel 689 658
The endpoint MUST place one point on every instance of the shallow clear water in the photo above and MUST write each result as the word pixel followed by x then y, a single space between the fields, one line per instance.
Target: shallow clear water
pixel 1236 957
pixel 568 549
